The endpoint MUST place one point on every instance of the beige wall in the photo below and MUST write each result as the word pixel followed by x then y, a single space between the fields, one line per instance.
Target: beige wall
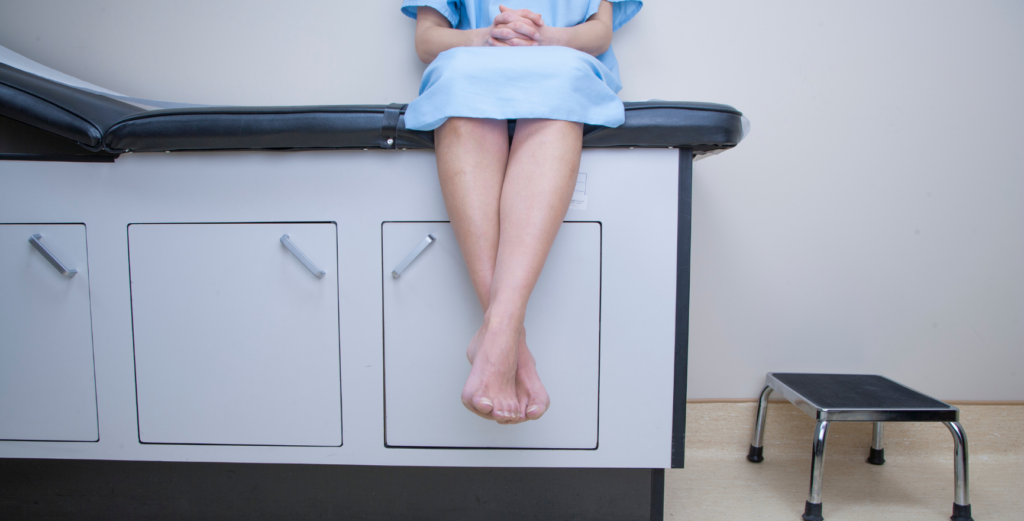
pixel 872 222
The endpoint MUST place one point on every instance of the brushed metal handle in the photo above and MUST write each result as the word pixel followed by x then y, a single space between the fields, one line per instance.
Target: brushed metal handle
pixel 427 241
pixel 64 270
pixel 317 272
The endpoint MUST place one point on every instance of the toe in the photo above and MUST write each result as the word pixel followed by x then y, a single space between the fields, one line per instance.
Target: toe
pixel 516 410
pixel 535 411
pixel 473 410
pixel 482 404
pixel 505 412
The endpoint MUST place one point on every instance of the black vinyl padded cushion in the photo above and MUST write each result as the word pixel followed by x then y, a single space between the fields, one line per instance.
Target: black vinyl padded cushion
pixel 701 126
pixel 856 391
pixel 19 141
pixel 99 122
pixel 240 128
pixel 72 113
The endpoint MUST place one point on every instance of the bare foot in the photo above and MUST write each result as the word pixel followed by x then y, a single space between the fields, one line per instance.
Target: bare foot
pixel 533 398
pixel 490 390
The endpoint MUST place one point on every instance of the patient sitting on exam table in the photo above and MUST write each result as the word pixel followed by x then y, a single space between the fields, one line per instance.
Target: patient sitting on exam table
pixel 551 69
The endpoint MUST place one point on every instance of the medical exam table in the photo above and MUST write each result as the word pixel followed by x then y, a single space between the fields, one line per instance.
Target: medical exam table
pixel 229 287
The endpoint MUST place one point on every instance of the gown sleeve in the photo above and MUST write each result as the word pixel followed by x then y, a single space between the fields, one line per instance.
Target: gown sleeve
pixel 622 11
pixel 448 8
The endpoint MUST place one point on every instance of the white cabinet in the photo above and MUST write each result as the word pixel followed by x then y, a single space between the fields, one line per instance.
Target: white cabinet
pixel 47 382
pixel 430 314
pixel 236 340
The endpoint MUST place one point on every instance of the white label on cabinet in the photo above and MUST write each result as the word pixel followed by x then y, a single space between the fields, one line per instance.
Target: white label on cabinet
pixel 579 195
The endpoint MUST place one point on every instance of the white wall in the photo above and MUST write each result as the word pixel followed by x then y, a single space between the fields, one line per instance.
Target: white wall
pixel 872 222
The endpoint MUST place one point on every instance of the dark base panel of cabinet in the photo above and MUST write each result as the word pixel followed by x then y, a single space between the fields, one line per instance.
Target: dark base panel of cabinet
pixel 87 489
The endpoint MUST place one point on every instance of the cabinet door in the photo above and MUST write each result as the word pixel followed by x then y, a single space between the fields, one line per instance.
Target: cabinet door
pixel 236 341
pixel 430 314
pixel 47 382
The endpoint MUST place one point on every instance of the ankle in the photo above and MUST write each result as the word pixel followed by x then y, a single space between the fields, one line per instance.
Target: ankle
pixel 498 322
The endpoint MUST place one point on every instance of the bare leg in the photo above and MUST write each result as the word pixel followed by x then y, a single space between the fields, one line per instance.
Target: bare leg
pixel 542 168
pixel 472 155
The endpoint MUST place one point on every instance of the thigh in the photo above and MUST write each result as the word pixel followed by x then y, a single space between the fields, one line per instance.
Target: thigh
pixel 459 140
pixel 546 151
pixel 557 141
pixel 472 155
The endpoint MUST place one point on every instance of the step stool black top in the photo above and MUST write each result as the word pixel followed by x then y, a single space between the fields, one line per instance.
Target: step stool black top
pixel 858 397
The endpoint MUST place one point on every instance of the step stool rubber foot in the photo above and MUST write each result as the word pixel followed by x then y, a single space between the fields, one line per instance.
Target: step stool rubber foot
pixel 756 454
pixel 961 513
pixel 877 456
pixel 812 512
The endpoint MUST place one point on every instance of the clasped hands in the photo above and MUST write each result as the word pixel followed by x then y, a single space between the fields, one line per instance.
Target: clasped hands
pixel 517 27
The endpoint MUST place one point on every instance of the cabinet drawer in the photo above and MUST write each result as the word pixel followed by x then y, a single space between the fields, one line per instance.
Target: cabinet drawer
pixel 430 314
pixel 47 382
pixel 236 340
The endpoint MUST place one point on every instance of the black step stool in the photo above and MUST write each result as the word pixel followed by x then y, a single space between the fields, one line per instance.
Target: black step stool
pixel 860 398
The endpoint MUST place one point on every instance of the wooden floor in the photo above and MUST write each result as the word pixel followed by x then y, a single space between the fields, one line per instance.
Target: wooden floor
pixel 916 482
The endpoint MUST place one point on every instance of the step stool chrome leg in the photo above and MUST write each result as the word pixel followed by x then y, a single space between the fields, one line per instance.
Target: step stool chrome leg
pixel 961 492
pixel 812 510
pixel 756 453
pixel 877 456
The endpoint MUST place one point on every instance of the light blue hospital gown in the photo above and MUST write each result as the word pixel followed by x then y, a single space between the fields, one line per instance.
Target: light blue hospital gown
pixel 519 82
